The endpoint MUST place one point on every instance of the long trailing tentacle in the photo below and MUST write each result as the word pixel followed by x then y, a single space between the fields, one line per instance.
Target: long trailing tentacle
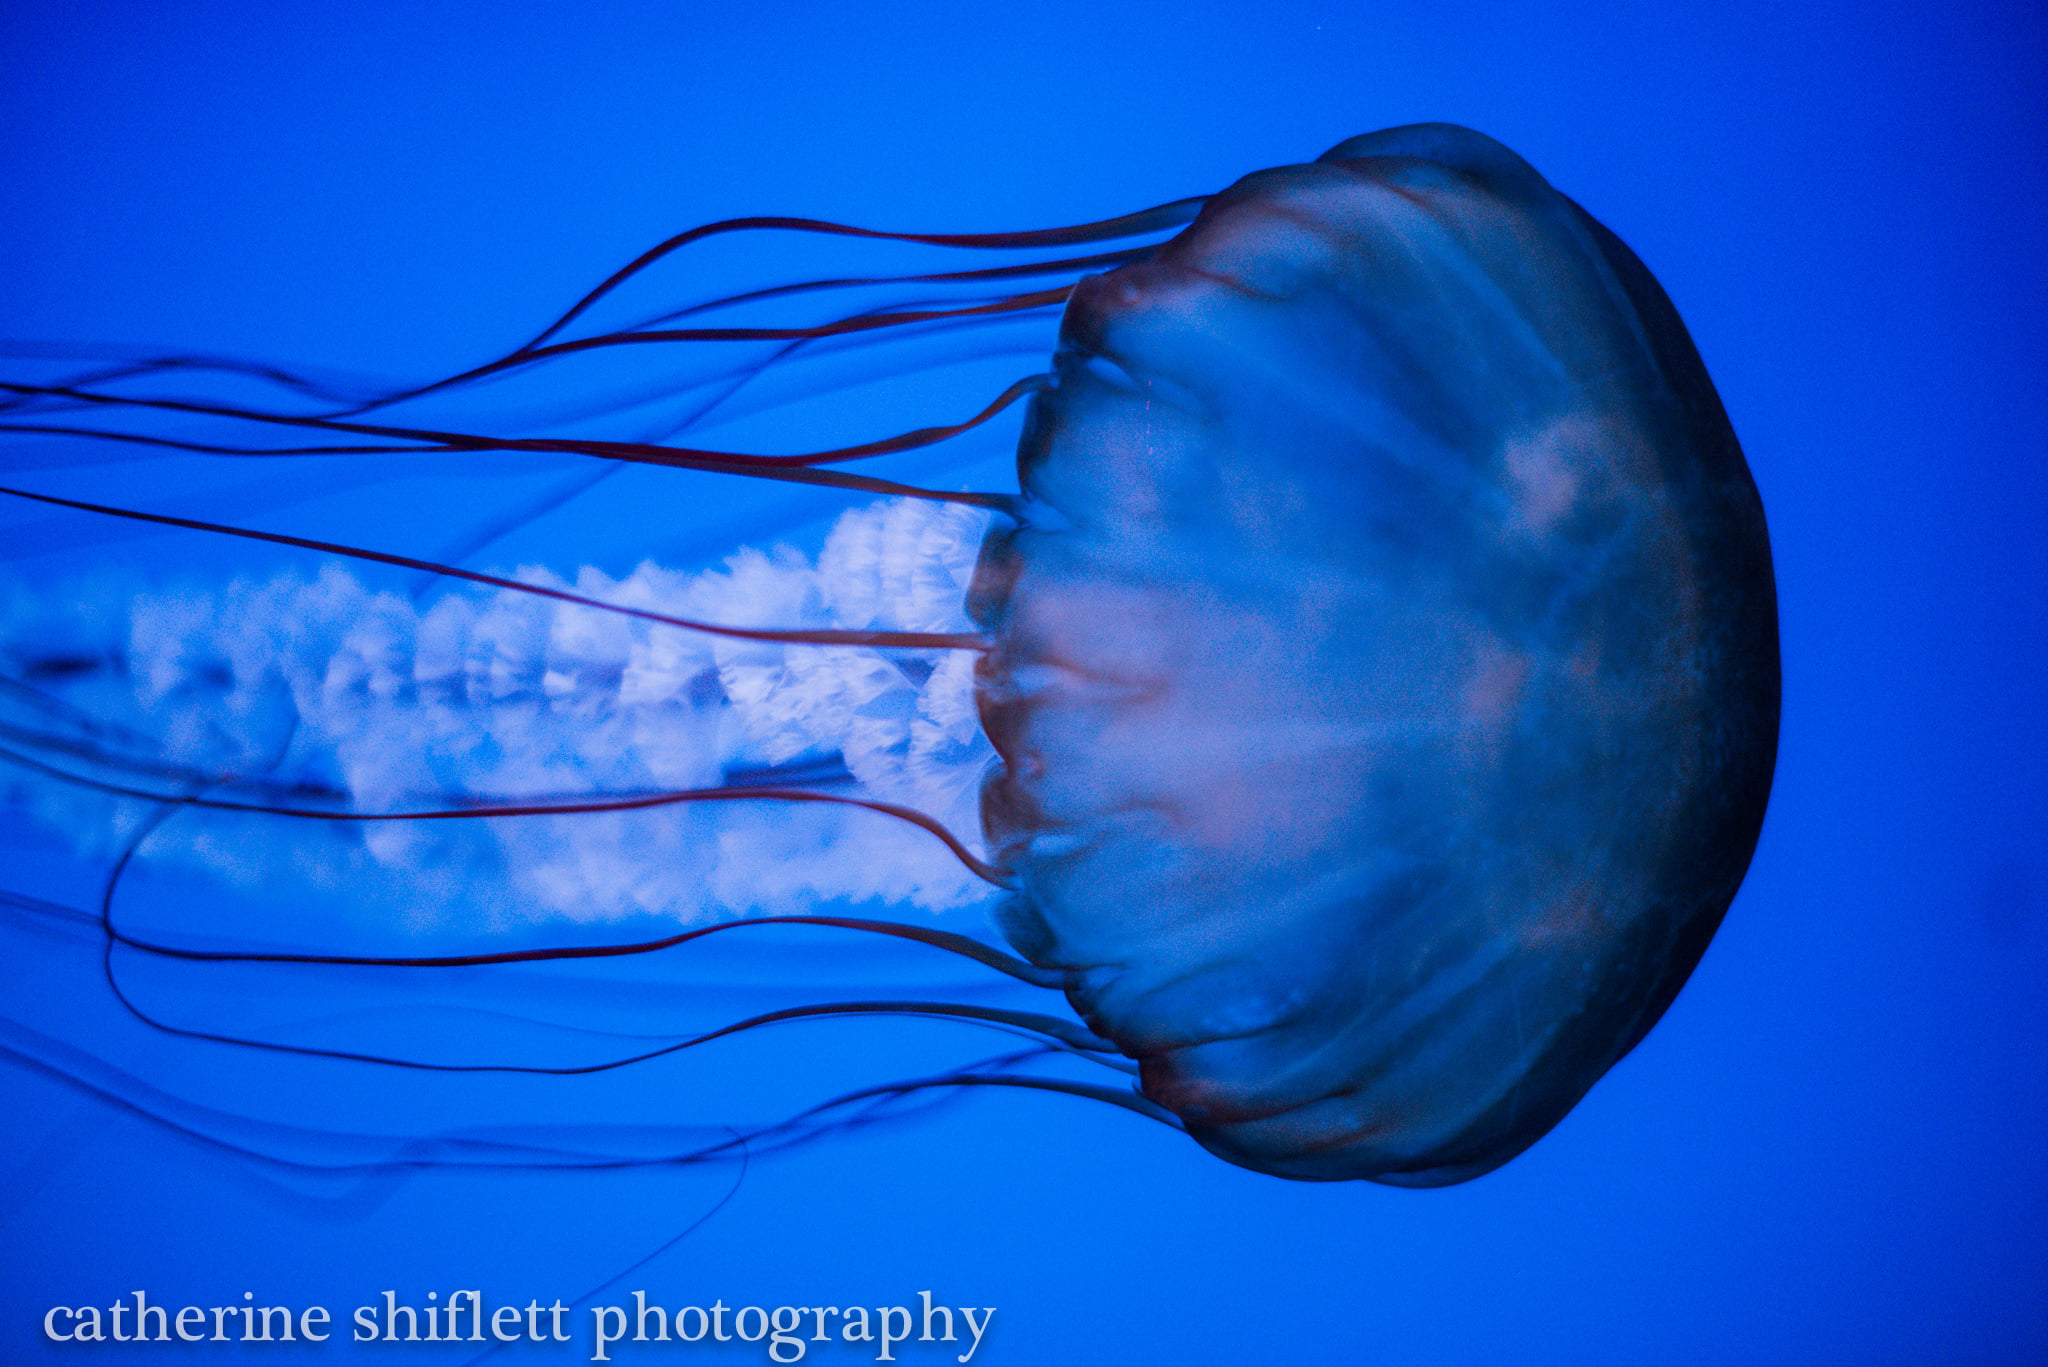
pixel 862 322
pixel 1158 218
pixel 577 806
pixel 419 440
pixel 338 1154
pixel 123 364
pixel 920 640
pixel 1071 265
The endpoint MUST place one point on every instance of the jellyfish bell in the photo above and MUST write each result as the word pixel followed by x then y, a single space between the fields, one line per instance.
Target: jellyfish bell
pixel 1384 662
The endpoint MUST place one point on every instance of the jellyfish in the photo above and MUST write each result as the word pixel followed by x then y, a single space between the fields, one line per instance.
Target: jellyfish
pixel 1363 710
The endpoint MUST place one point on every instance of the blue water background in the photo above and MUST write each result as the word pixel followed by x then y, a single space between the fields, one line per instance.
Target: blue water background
pixel 1830 1151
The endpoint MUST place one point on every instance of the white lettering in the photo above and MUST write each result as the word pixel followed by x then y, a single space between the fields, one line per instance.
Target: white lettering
pixel 607 1316
pixel 989 1317
pixel 888 1314
pixel 929 1311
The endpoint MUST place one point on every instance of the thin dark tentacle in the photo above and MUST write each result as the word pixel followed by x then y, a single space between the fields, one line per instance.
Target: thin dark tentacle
pixel 1156 219
pixel 578 807
pixel 795 468
pixel 919 640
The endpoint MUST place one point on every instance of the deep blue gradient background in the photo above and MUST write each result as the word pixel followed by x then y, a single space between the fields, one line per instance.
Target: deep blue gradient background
pixel 1831 1151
